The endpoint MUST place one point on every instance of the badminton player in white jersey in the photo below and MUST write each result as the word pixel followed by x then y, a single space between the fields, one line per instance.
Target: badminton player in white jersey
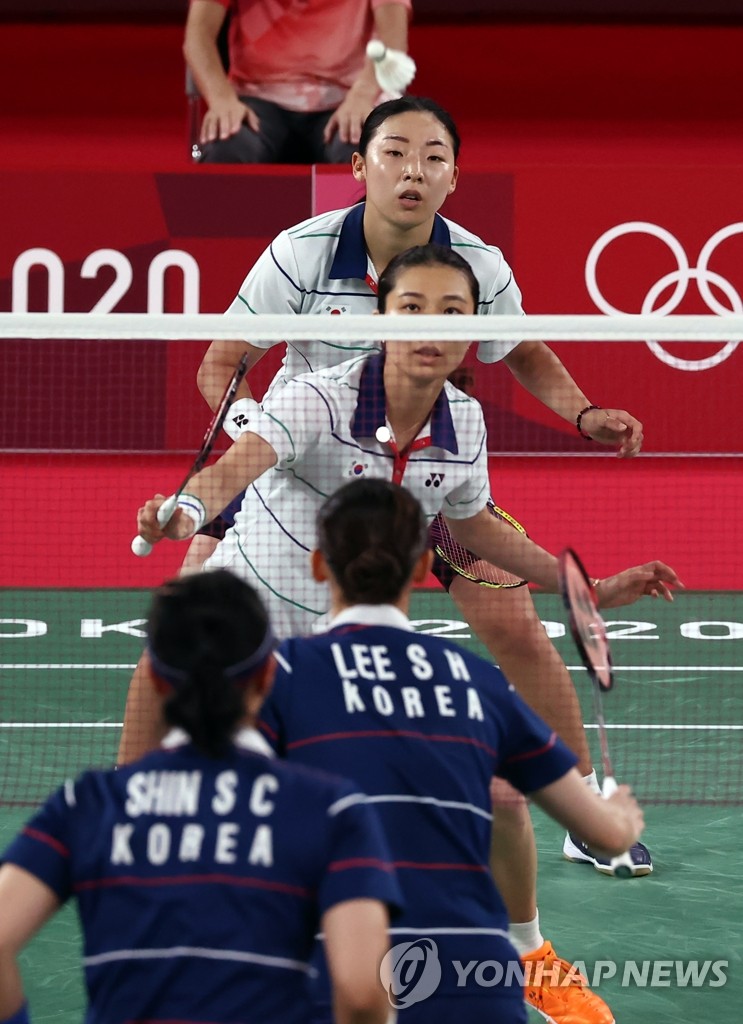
pixel 330 265
pixel 391 415
pixel 253 454
pixel 422 726
pixel 203 872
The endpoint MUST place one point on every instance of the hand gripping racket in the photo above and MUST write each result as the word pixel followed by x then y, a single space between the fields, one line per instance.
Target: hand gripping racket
pixel 140 546
pixel 589 633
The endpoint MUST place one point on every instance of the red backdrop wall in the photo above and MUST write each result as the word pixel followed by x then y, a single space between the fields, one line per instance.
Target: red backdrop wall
pixel 84 241
pixel 570 131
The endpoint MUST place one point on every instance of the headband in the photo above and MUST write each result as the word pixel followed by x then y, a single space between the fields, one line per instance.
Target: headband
pixel 175 676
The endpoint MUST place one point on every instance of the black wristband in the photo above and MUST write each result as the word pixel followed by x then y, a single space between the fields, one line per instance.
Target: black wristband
pixel 579 421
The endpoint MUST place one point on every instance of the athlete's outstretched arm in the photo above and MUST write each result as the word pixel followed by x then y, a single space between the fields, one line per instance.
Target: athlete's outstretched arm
pixel 27 904
pixel 214 487
pixel 490 538
pixel 355 942
pixel 536 367
pixel 497 542
pixel 608 826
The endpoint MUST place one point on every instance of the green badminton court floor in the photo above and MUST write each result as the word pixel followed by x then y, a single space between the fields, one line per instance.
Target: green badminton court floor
pixel 676 731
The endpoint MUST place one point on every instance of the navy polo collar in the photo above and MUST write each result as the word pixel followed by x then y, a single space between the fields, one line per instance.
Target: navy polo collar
pixel 371 408
pixel 351 260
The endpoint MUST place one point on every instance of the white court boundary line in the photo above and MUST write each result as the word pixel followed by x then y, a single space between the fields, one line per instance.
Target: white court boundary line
pixel 625 725
pixel 58 665
pixel 571 668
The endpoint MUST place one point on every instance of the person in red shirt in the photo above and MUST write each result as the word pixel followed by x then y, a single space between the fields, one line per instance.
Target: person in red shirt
pixel 299 84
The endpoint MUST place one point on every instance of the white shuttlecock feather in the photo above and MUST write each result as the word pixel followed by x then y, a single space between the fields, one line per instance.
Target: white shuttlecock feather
pixel 393 68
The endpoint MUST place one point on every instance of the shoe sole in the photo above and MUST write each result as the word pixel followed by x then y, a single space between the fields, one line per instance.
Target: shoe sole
pixel 637 872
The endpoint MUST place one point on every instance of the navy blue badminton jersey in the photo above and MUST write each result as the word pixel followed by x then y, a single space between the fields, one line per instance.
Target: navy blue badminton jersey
pixel 422 726
pixel 201 883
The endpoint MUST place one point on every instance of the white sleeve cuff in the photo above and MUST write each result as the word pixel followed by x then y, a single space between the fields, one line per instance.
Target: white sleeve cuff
pixel 238 418
pixel 194 508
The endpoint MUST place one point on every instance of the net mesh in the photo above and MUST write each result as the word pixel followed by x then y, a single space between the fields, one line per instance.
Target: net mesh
pixel 99 415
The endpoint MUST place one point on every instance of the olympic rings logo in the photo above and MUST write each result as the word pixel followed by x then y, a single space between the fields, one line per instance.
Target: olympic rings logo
pixel 680 278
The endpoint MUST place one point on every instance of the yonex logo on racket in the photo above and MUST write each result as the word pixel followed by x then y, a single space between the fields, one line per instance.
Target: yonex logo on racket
pixel 680 279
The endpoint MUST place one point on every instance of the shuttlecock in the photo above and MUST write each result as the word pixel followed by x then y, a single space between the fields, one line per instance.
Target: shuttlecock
pixel 393 68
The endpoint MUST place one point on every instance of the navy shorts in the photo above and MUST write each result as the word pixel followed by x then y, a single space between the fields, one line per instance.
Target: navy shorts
pixel 219 526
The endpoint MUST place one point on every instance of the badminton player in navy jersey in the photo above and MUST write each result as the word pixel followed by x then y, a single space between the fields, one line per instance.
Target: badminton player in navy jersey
pixel 407 162
pixel 203 872
pixel 311 433
pixel 423 726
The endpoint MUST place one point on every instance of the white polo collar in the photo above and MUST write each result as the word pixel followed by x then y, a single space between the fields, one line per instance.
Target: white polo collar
pixel 371 615
pixel 245 739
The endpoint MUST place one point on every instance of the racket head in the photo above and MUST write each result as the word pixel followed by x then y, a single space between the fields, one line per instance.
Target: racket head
pixel 217 420
pixel 586 625
pixel 464 563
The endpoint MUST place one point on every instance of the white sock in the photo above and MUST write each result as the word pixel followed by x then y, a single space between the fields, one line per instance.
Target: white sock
pixel 526 936
pixel 592 782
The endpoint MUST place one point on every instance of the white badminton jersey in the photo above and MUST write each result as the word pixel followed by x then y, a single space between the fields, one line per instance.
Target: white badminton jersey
pixel 323 427
pixel 322 266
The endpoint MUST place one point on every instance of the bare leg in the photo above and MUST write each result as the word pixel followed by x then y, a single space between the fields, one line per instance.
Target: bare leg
pixel 506 622
pixel 143 729
pixel 513 852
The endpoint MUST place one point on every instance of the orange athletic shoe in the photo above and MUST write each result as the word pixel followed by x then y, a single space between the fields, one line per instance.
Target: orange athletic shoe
pixel 556 990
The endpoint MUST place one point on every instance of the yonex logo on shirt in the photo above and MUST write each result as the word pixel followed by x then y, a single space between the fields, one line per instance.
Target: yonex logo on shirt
pixel 435 480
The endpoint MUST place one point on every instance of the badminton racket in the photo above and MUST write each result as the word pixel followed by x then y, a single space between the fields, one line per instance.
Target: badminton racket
pixel 140 546
pixel 469 565
pixel 589 633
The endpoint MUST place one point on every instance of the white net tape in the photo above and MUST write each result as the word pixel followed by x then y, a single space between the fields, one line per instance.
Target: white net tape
pixel 290 327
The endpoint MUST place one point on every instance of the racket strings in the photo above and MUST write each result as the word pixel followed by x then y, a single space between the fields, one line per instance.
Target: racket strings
pixel 467 564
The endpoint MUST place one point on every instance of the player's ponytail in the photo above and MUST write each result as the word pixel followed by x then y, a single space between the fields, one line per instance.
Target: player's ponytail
pixel 207 635
pixel 371 533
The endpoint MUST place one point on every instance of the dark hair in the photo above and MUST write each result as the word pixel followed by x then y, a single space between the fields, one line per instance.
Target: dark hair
pixel 405 105
pixel 207 634
pixel 371 534
pixel 430 255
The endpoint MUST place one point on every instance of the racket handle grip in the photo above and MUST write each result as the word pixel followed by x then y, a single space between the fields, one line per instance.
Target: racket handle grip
pixel 609 787
pixel 623 865
pixel 142 547
pixel 166 510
